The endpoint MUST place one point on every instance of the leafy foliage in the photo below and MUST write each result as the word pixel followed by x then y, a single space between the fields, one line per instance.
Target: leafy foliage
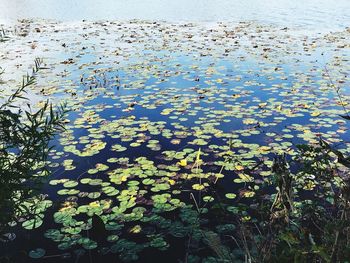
pixel 307 221
pixel 25 134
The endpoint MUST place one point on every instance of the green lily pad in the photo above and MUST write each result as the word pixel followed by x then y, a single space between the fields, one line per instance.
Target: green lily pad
pixel 37 253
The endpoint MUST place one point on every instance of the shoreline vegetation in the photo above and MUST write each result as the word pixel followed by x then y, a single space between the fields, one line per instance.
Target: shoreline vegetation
pixel 24 146
pixel 159 155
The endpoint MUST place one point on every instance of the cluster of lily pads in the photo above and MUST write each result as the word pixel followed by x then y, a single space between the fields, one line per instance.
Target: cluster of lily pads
pixel 162 112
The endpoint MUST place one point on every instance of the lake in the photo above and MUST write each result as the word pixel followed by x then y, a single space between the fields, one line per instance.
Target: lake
pixel 175 108
pixel 314 14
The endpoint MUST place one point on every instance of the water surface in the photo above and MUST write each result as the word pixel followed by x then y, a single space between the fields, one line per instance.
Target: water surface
pixel 311 14
pixel 150 100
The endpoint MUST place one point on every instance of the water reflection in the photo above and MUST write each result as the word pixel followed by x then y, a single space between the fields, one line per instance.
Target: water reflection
pixel 316 14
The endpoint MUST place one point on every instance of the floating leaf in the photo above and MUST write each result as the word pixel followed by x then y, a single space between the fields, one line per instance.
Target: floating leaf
pixel 30 224
pixel 37 253
pixel 230 195
pixel 183 162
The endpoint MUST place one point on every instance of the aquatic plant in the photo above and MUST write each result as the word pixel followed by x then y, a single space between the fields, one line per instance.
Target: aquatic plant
pixel 3 36
pixel 173 142
pixel 25 134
